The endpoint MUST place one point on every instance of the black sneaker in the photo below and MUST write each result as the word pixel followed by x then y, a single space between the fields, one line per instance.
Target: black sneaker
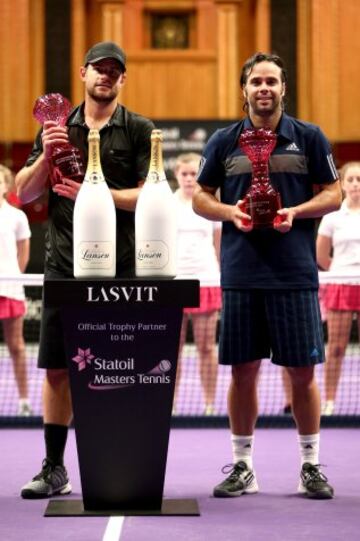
pixel 50 481
pixel 314 484
pixel 241 480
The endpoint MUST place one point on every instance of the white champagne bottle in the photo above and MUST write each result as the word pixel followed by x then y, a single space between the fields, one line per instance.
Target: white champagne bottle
pixel 156 220
pixel 94 222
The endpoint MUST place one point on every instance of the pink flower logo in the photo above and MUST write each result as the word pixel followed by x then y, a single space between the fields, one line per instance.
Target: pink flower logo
pixel 82 358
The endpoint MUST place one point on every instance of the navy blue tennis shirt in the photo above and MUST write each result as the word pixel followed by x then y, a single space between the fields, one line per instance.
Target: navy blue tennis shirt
pixel 265 258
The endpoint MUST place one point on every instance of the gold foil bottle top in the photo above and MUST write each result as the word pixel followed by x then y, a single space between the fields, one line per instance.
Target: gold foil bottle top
pixel 156 135
pixel 94 172
pixel 156 171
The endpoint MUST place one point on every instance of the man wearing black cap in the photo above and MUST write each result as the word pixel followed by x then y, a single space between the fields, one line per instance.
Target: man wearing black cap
pixel 105 50
pixel 125 153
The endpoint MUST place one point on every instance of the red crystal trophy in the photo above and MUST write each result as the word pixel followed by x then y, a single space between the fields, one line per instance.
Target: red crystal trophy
pixel 261 201
pixel 66 159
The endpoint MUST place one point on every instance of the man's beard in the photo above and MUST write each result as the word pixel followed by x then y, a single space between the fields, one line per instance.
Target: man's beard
pixel 102 99
pixel 266 112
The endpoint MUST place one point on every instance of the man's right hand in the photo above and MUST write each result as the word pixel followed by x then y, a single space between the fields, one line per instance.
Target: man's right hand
pixel 53 135
pixel 67 188
pixel 240 219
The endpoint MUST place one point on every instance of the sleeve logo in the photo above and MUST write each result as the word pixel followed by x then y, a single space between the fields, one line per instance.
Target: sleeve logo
pixel 201 166
pixel 332 166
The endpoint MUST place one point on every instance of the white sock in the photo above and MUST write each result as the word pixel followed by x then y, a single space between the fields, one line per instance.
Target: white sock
pixel 242 447
pixel 24 402
pixel 309 448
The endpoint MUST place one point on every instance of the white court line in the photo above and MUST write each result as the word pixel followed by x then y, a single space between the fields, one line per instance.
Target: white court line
pixel 113 529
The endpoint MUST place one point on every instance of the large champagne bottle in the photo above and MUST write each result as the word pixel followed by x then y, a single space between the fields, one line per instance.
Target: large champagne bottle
pixel 94 220
pixel 155 220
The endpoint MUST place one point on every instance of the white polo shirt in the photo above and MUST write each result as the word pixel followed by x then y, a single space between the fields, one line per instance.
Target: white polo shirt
pixel 343 228
pixel 14 226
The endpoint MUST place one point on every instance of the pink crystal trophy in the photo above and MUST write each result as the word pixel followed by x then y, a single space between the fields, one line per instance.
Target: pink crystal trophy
pixel 261 201
pixel 66 159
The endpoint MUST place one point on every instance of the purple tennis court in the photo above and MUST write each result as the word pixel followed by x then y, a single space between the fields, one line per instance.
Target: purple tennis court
pixel 194 462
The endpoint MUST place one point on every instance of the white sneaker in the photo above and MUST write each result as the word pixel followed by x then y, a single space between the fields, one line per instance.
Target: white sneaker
pixel 209 411
pixel 50 481
pixel 313 483
pixel 241 480
pixel 24 410
pixel 328 408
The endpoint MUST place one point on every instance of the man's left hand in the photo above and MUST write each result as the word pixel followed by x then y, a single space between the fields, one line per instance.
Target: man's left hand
pixel 284 219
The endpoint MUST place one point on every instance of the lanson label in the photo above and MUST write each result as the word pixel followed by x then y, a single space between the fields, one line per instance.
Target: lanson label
pixel 153 254
pixel 93 255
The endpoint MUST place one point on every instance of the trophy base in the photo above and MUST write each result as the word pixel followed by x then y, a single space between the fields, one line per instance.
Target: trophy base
pixel 263 210
pixel 267 225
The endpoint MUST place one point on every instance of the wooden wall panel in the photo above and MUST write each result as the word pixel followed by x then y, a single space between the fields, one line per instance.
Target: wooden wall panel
pixel 112 22
pixel 134 35
pixel 201 82
pixel 198 83
pixel 248 40
pixel 78 48
pixel 348 75
pixel 227 76
pixel 171 86
pixel 262 26
pixel 328 73
pixel 325 57
pixel 37 52
pixel 206 25
pixel 22 61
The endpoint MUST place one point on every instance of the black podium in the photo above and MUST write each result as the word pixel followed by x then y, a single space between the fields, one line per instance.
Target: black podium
pixel 121 340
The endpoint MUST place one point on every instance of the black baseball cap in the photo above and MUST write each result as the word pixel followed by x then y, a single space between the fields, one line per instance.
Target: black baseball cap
pixel 105 49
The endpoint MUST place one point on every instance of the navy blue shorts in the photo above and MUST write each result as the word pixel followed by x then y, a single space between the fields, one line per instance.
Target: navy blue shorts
pixel 284 325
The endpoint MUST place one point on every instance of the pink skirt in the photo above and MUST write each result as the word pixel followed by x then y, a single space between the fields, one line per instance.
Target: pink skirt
pixel 210 300
pixel 10 308
pixel 341 297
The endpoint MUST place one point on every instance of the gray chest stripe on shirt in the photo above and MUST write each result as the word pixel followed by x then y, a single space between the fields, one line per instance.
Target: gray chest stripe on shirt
pixel 280 163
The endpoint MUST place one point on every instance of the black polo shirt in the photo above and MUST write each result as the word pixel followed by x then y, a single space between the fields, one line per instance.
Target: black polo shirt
pixel 265 258
pixel 125 154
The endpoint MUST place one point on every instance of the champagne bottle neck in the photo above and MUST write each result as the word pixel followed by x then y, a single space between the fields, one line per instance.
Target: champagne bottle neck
pixel 94 172
pixel 156 169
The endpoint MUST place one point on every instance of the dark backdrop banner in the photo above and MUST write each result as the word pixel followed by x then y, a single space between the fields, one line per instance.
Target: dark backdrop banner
pixel 183 136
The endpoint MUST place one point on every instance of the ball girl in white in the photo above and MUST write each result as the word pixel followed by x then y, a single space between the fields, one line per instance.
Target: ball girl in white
pixel 14 256
pixel 197 256
pixel 338 250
